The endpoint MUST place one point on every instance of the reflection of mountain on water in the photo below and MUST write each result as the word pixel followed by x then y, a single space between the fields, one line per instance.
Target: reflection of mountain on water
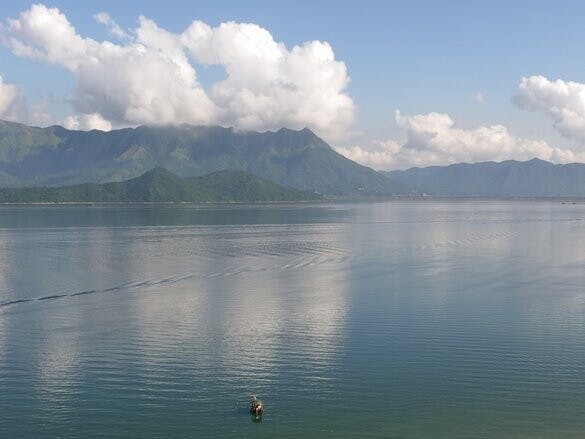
pixel 124 216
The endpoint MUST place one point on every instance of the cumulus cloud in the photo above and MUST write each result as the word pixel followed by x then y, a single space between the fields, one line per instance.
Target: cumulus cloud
pixel 126 84
pixel 87 122
pixel 382 155
pixel 151 77
pixel 269 86
pixel 435 139
pixel 10 100
pixel 562 101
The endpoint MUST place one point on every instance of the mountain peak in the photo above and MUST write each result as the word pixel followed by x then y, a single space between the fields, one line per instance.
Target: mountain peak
pixel 304 132
pixel 538 161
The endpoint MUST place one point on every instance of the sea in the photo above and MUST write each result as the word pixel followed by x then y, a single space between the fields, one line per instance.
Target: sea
pixel 391 319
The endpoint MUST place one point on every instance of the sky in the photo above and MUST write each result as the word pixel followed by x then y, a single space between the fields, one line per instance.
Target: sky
pixel 390 84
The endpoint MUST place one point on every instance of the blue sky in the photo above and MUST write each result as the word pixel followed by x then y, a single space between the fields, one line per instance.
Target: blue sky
pixel 418 57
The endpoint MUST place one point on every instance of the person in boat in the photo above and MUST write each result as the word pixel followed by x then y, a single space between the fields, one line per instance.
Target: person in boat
pixel 256 407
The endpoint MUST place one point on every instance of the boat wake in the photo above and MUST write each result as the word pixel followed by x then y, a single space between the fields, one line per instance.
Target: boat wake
pixel 295 264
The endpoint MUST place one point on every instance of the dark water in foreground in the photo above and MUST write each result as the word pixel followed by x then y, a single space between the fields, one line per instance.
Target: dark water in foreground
pixel 399 319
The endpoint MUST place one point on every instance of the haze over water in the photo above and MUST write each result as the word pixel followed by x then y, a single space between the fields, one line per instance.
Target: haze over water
pixel 398 319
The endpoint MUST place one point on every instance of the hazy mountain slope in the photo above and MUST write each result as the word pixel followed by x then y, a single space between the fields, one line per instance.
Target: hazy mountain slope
pixel 300 159
pixel 242 186
pixel 160 185
pixel 533 178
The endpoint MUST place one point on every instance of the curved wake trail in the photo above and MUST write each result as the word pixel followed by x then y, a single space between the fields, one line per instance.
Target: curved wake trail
pixel 308 256
pixel 297 263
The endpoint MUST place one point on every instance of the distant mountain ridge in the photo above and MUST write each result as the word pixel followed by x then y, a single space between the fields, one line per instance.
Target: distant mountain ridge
pixel 532 178
pixel 160 185
pixel 52 156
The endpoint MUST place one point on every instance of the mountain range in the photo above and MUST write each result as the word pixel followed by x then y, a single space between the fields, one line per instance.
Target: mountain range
pixel 160 185
pixel 533 178
pixel 55 156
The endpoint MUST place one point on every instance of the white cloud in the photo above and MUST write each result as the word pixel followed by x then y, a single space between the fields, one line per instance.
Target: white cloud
pixel 435 139
pixel 113 27
pixel 478 97
pixel 269 86
pixel 562 101
pixel 87 122
pixel 14 106
pixel 38 114
pixel 382 156
pixel 151 77
pixel 125 84
pixel 10 100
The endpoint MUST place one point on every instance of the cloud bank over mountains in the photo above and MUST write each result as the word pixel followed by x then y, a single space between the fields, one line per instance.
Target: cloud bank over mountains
pixel 435 139
pixel 149 75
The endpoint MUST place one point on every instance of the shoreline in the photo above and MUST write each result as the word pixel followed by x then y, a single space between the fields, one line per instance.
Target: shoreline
pixel 333 200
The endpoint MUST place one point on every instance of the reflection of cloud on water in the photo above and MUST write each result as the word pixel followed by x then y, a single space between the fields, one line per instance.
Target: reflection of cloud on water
pixel 57 364
pixel 5 264
pixel 277 317
pixel 249 324
pixel 550 299
pixel 4 337
pixel 247 305
pixel 33 342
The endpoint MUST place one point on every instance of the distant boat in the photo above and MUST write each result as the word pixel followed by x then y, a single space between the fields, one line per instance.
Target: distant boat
pixel 256 406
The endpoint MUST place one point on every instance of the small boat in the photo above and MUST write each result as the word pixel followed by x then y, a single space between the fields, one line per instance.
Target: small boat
pixel 256 406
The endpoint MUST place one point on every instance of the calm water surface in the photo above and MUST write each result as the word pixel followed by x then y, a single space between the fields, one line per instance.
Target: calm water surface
pixel 398 319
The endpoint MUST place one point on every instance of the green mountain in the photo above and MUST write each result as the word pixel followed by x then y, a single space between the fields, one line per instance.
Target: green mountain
pixel 160 185
pixel 533 178
pixel 54 156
